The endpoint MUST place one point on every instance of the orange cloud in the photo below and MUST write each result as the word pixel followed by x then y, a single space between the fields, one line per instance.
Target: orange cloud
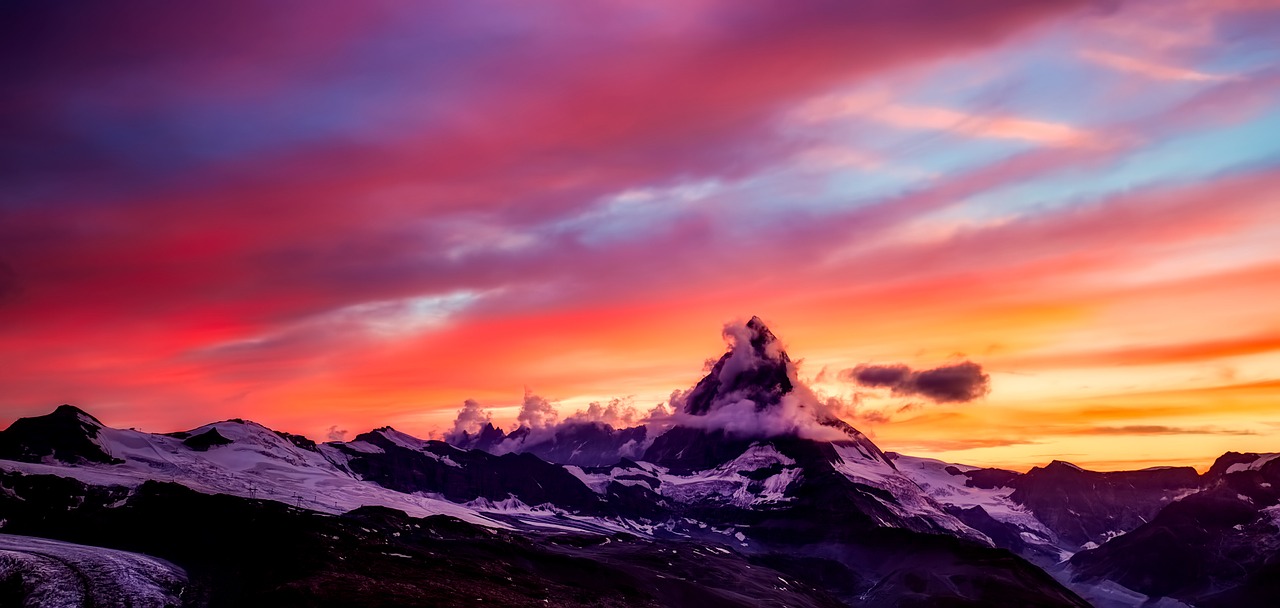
pixel 1159 354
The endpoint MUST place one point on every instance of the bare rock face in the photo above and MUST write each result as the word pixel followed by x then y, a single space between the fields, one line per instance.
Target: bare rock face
pixel 208 439
pixel 67 435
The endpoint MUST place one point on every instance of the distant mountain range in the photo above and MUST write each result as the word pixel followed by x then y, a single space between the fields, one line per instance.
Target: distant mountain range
pixel 751 494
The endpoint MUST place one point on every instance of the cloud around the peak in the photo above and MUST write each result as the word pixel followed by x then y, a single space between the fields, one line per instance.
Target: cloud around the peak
pixel 539 424
pixel 956 383
pixel 754 390
pixel 536 412
pixel 618 413
pixel 471 418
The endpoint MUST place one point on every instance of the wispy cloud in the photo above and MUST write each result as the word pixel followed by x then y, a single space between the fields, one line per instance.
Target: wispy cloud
pixel 955 445
pixel 1149 69
pixel 1152 429
pixel 881 107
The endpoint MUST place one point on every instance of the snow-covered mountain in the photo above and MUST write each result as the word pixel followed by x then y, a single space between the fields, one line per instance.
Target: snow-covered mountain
pixel 750 468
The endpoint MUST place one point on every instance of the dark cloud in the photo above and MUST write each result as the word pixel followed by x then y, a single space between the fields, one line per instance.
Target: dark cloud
pixel 336 434
pixel 879 376
pixel 958 383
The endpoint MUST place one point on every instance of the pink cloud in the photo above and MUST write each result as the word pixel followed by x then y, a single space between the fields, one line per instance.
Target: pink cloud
pixel 1148 69
pixel 880 108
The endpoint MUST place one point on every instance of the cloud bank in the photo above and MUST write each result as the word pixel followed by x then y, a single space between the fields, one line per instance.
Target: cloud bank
pixel 600 434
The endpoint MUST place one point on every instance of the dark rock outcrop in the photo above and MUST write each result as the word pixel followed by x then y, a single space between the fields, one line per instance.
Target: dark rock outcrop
pixel 66 435
pixel 204 441
pixel 989 479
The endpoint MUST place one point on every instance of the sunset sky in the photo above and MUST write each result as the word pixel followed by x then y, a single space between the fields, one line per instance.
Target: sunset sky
pixel 337 216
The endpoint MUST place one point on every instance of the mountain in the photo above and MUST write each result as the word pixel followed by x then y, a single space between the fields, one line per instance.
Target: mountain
pixel 582 443
pixel 1219 546
pixel 751 493
pixel 406 464
pixel 756 369
pixel 220 550
pixel 1084 507
pixel 751 393
pixel 67 435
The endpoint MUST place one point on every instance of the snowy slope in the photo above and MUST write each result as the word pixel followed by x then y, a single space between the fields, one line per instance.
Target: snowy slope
pixel 63 575
pixel 912 499
pixel 257 463
pixel 758 478
pixel 950 490
pixel 626 473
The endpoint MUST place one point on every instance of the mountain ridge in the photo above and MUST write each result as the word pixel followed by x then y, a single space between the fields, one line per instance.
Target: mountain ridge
pixel 750 465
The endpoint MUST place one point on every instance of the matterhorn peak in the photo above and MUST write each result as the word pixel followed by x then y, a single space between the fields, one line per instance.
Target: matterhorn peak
pixel 751 394
pixel 754 368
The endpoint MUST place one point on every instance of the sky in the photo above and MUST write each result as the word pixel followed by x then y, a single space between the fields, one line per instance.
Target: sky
pixel 331 217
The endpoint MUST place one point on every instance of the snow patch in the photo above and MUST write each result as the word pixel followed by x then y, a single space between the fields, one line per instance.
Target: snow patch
pixel 913 498
pixel 363 447
pixel 1262 460
pixel 731 484
pixel 947 489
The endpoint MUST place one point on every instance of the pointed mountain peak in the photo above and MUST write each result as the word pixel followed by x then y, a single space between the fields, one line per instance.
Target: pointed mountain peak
pixel 1062 467
pixel 754 368
pixel 208 439
pixel 756 324
pixel 68 434
pixel 762 340
pixel 67 411
pixel 386 436
pixel 751 393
